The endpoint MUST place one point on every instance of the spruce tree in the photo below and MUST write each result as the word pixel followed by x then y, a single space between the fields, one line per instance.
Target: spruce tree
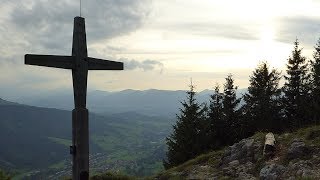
pixel 186 140
pixel 262 101
pixel 231 113
pixel 315 76
pixel 296 89
pixel 216 124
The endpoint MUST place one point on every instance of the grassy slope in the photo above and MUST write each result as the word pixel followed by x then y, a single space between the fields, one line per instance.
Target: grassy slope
pixel 65 142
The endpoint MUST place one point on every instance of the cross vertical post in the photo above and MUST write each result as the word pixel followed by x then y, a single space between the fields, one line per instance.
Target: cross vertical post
pixel 79 63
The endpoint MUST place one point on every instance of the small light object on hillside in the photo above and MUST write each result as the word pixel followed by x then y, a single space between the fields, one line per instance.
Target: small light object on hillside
pixel 269 144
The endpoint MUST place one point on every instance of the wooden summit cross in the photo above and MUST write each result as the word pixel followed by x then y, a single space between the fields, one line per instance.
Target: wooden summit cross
pixel 79 63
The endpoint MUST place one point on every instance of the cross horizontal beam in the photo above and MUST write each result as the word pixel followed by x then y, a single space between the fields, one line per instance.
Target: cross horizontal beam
pixel 64 62
pixel 99 64
pixel 68 62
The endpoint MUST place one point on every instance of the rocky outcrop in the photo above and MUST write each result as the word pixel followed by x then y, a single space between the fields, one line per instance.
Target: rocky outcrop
pixel 297 156
pixel 298 149
pixel 242 159
pixel 304 168
pixel 271 172
pixel 247 150
pixel 238 159
pixel 240 171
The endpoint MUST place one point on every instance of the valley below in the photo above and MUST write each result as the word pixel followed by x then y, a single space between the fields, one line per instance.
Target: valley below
pixel 37 140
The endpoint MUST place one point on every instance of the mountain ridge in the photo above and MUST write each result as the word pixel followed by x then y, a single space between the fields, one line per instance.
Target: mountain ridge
pixel 5 102
pixel 151 102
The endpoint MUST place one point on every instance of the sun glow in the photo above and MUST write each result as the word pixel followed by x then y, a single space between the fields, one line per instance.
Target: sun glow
pixel 268 49
pixel 266 41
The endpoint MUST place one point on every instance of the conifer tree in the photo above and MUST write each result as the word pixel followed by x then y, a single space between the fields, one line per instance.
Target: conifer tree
pixel 296 89
pixel 186 140
pixel 216 124
pixel 315 73
pixel 231 113
pixel 262 101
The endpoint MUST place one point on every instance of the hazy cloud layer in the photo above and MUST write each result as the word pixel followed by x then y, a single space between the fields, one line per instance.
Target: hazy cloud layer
pixel 228 30
pixel 306 29
pixel 145 65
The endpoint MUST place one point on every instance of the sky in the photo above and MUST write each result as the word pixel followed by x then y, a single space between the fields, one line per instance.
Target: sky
pixel 162 43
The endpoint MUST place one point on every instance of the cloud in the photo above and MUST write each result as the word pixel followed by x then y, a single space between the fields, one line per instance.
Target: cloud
pixel 42 25
pixel 229 30
pixel 237 73
pixel 306 29
pixel 145 65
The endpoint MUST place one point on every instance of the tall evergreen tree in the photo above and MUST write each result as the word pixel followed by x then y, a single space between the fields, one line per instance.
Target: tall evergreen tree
pixel 315 76
pixel 262 101
pixel 186 140
pixel 216 124
pixel 231 113
pixel 296 89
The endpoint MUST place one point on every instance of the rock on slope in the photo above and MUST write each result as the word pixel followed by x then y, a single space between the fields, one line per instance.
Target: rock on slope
pixel 297 156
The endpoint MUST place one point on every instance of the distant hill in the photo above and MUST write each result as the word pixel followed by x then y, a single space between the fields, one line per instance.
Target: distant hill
pixel 37 140
pixel 4 102
pixel 150 102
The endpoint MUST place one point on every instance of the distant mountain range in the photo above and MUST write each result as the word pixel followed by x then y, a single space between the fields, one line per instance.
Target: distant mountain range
pixel 150 102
